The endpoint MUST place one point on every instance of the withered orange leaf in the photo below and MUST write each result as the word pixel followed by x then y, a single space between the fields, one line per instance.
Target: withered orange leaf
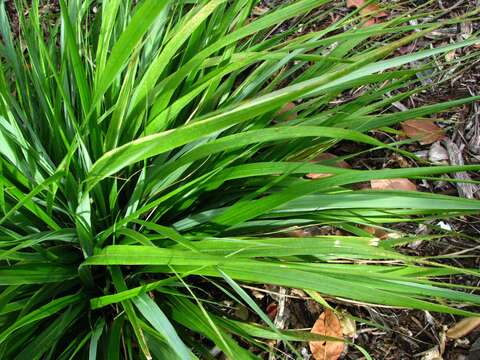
pixel 260 10
pixel 371 9
pixel 369 22
pixel 327 324
pixel 327 156
pixel 426 131
pixel 272 310
pixel 393 184
pixel 286 113
pixel 299 233
pixel 375 231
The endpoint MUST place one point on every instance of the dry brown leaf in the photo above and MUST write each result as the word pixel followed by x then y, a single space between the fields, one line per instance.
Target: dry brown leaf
pixel 355 3
pixel 393 184
pixel 371 9
pixel 260 10
pixel 349 328
pixel 327 325
pixel 314 176
pixel 426 131
pixel 407 49
pixel 369 22
pixel 463 327
pixel 272 310
pixel 299 233
pixel 377 232
pixel 286 113
pixel 327 156
pixel 242 313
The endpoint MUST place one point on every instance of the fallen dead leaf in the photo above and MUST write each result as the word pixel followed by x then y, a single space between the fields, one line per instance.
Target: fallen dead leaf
pixel 286 113
pixel 260 10
pixel 407 49
pixel 314 176
pixel 327 156
pixel 370 22
pixel 349 327
pixel 299 293
pixel 426 131
pixel 393 184
pixel 327 325
pixel 463 327
pixel 301 232
pixel 377 232
pixel 371 9
pixel 355 3
pixel 272 310
pixel 242 313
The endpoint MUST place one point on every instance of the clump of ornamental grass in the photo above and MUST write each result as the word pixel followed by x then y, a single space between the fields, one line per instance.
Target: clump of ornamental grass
pixel 144 170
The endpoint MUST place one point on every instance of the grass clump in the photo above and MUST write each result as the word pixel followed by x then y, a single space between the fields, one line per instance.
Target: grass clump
pixel 141 168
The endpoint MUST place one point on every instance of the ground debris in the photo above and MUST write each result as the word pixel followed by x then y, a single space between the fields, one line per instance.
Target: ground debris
pixel 466 190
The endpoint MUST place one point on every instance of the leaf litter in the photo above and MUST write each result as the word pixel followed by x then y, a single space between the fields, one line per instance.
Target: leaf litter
pixel 329 325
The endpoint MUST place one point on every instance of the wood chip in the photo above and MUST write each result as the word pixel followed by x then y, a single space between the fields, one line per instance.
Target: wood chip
pixel 472 130
pixel 281 315
pixel 432 354
pixel 281 312
pixel 455 155
pixel 463 327
pixel 438 154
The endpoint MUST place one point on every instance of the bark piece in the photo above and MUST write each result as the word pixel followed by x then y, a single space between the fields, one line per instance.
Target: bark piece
pixel 463 327
pixel 455 155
